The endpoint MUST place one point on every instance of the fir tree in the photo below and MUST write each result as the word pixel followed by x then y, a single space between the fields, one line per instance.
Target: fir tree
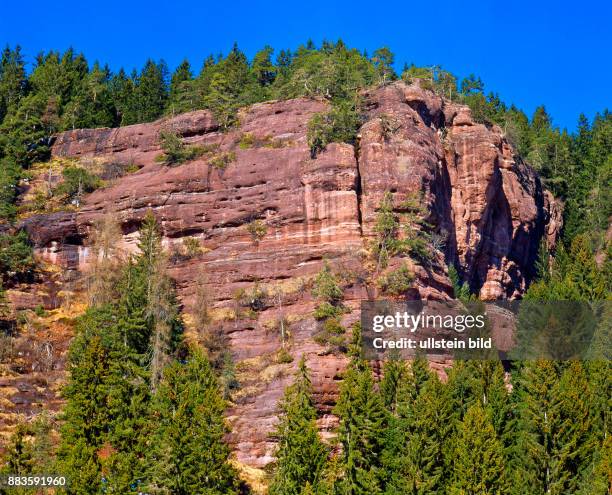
pixel 86 417
pixel 394 373
pixel 418 441
pixel 13 81
pixel 361 433
pixel 182 97
pixel 151 91
pixel 187 454
pixel 479 464
pixel 301 455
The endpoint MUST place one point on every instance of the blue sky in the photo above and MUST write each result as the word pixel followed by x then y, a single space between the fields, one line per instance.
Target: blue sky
pixel 555 53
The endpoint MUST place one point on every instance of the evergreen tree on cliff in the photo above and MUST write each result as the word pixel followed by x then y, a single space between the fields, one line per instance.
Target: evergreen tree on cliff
pixel 187 453
pixel 301 455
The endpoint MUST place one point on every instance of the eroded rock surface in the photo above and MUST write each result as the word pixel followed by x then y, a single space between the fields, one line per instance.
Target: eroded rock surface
pixel 487 209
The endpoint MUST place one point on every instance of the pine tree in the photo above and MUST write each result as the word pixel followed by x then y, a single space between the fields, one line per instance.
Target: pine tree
pixel 534 384
pixel 92 105
pixel 460 291
pixel 555 438
pixel 584 273
pixel 107 398
pixel 479 464
pixel 422 462
pixel 301 456
pixel 386 229
pixel 383 60
pixel 18 459
pixel 595 479
pixel 326 286
pixel 187 453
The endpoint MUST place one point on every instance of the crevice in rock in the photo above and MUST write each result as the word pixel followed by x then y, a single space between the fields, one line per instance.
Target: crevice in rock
pixel 358 187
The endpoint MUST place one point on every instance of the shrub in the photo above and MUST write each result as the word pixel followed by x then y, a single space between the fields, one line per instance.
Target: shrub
pixel 192 247
pixel 227 377
pixel 257 229
pixel 332 335
pixel 326 310
pixel 254 298
pixel 222 160
pixel 396 282
pixel 7 348
pixel 339 125
pixel 333 326
pixel 283 356
pixel 175 151
pixel 270 142
pixel 247 140
pixel 326 287
pixel 77 181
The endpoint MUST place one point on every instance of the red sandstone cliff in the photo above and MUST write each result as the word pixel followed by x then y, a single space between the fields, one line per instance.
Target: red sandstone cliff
pixel 488 209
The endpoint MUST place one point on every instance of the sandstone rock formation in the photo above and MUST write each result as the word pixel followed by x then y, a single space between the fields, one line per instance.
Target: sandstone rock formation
pixel 487 209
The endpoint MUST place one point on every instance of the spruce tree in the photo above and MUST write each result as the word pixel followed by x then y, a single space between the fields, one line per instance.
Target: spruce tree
pixel 187 453
pixel 361 433
pixel 416 453
pixel 571 437
pixel 182 96
pixel 86 416
pixel 555 438
pixel 164 326
pixel 13 81
pixel 394 373
pixel 479 464
pixel 301 456
pixel 151 91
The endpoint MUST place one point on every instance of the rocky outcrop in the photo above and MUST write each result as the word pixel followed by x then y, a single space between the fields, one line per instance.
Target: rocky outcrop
pixel 486 208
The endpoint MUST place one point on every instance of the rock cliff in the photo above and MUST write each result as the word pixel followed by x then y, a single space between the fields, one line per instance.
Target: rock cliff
pixel 487 210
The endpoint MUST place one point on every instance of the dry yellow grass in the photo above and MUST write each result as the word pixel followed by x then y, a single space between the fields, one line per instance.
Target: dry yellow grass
pixel 255 478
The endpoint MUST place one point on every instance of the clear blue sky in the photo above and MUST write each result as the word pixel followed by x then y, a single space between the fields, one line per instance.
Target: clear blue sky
pixel 557 53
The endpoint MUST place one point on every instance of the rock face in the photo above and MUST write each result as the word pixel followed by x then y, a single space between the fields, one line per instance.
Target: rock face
pixel 487 209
